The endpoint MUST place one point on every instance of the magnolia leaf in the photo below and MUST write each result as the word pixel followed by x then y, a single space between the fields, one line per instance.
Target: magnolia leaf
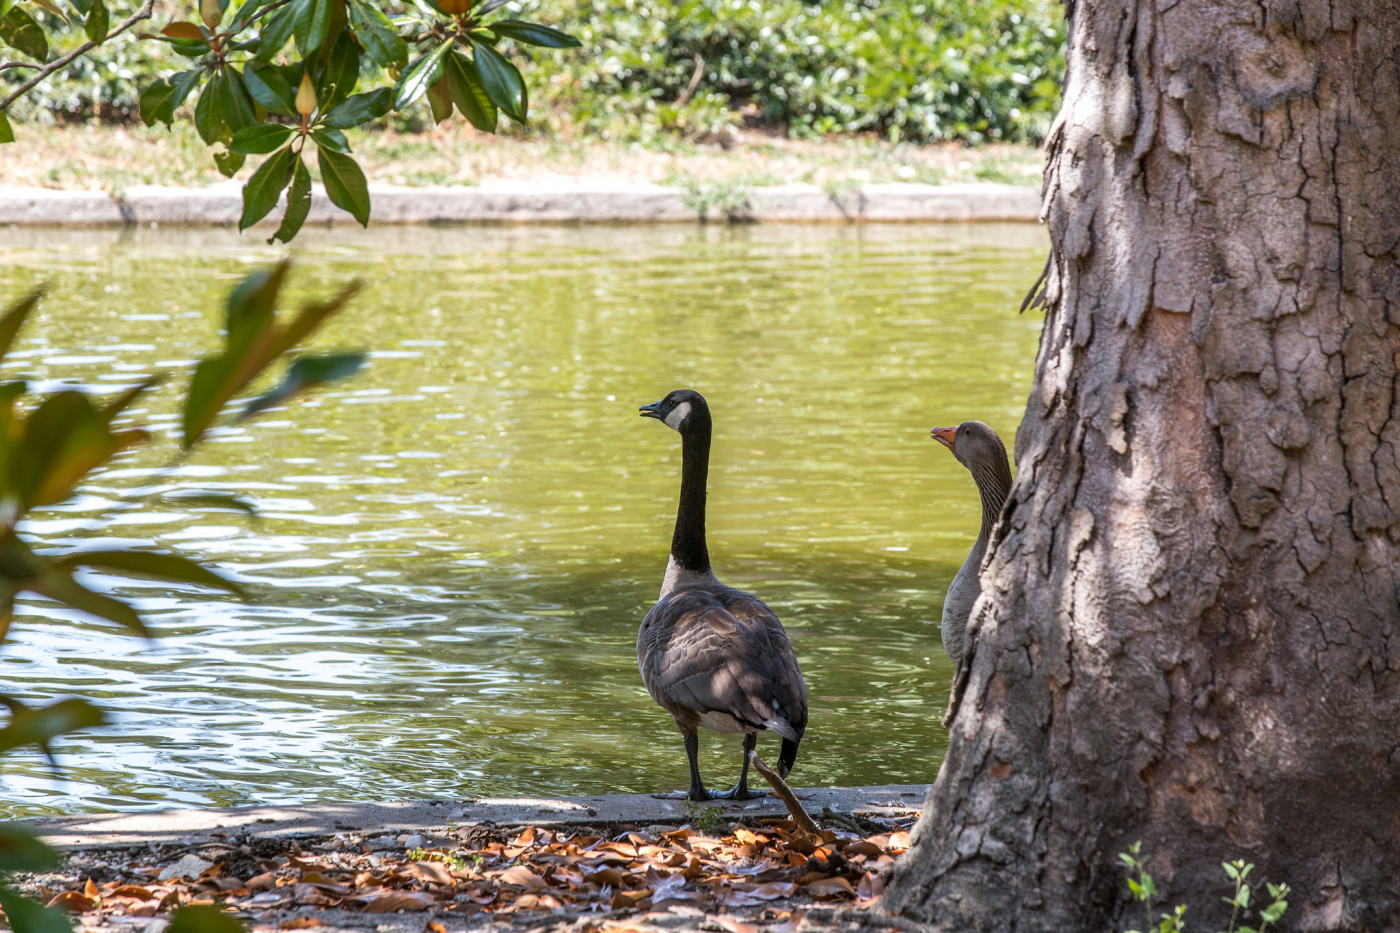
pixel 40 725
pixel 264 187
pixel 15 316
pixel 59 585
pixel 203 919
pixel 199 498
pixel 305 374
pixel 25 916
pixel 419 76
pixel 378 35
pixel 359 109
pixel 298 204
pixel 228 163
pixel 151 564
pixel 51 7
pixel 312 316
pixel 260 139
pixel 332 139
pixel 311 23
pixel 7 132
pixel 208 120
pixel 341 73
pixel 63 440
pixel 19 31
pixel 95 26
pixel 533 34
pixel 21 850
pixel 235 106
pixel 440 99
pixel 501 81
pixel 182 30
pixel 269 87
pixel 345 184
pixel 467 93
pixel 276 33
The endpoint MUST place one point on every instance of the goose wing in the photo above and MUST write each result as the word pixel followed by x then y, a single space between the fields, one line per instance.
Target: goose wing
pixel 723 652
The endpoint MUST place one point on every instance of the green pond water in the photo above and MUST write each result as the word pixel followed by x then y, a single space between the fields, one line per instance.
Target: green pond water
pixel 455 548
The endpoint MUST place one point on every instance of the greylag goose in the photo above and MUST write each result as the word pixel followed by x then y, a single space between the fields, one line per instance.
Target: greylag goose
pixel 709 654
pixel 978 448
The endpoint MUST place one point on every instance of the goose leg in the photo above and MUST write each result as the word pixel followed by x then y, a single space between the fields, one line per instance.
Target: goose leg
pixel 741 790
pixel 697 786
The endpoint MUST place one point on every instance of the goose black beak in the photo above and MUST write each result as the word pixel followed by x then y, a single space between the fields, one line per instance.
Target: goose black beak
pixel 651 411
pixel 944 436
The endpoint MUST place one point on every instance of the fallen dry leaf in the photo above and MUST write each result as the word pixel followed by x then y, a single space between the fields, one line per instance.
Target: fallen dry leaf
pixel 733 924
pixel 870 888
pixel 829 887
pixel 75 902
pixel 521 876
pixel 431 873
pixel 390 903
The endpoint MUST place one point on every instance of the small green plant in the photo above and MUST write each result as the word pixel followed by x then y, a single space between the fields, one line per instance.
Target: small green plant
pixel 1238 871
pixel 705 818
pixel 728 198
pixel 1144 889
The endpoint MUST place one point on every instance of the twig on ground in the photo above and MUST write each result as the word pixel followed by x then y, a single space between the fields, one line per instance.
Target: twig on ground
pixel 789 799
pixel 144 13
pixel 847 821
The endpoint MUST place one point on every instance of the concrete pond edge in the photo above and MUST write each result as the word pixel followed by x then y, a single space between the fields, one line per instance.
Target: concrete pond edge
pixel 513 202
pixel 435 818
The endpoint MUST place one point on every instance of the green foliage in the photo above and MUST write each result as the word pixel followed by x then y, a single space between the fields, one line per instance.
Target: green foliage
pixel 51 444
pixel 917 70
pixel 1143 889
pixel 242 60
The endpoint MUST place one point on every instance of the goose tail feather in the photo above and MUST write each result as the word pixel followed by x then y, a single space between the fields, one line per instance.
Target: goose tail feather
pixel 783 728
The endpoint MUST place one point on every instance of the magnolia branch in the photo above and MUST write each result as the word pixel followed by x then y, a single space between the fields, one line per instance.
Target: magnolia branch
pixel 142 14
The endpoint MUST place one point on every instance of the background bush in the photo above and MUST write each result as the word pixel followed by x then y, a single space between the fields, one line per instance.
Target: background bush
pixel 971 70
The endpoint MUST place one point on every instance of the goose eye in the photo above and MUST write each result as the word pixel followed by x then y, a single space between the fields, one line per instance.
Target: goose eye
pixel 967 431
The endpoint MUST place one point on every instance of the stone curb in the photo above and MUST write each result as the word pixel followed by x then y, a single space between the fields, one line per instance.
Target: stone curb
pixel 434 817
pixel 591 201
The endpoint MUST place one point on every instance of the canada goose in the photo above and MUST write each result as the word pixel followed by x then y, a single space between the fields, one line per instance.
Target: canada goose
pixel 978 448
pixel 712 655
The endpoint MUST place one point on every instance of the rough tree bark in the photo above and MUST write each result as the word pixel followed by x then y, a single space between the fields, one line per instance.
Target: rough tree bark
pixel 1189 631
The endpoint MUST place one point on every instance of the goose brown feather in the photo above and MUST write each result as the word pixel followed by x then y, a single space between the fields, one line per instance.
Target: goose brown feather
pixel 718 657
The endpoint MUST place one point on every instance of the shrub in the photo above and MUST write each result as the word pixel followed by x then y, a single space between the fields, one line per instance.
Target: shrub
pixel 914 70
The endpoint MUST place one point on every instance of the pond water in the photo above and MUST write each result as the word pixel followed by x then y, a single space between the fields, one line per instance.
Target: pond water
pixel 456 547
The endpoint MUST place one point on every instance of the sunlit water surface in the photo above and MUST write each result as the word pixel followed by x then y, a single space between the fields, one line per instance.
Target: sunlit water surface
pixel 456 547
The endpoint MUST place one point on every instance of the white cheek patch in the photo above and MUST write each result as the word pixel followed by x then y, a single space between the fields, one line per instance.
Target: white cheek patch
pixel 677 416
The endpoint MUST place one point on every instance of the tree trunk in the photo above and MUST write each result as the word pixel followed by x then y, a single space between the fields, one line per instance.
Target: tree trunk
pixel 1189 632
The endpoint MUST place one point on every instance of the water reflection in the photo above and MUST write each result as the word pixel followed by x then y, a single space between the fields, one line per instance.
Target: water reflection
pixel 456 548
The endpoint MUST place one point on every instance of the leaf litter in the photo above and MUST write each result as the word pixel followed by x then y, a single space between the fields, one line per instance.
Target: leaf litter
pixel 756 878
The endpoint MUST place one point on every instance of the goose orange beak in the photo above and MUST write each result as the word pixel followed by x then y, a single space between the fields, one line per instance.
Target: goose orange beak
pixel 944 436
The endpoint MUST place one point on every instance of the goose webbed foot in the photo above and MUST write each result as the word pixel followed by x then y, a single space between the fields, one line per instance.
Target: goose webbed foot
pixel 739 792
pixel 673 795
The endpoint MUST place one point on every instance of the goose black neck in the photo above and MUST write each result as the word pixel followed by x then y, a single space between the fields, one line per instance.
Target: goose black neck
pixel 688 542
pixel 993 484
